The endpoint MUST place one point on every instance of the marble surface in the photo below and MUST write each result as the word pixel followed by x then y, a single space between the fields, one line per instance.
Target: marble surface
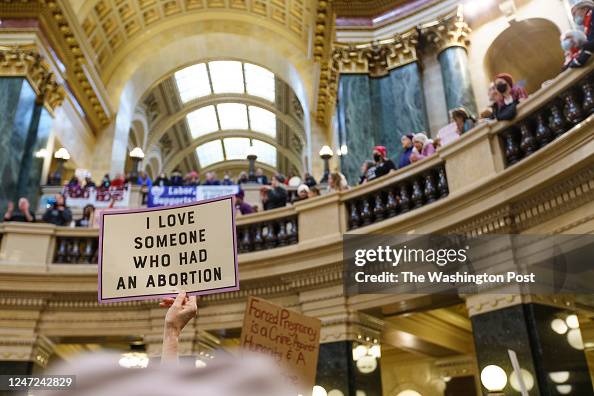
pixel 526 329
pixel 398 107
pixel 354 109
pixel 31 167
pixel 17 100
pixel 456 78
pixel 378 111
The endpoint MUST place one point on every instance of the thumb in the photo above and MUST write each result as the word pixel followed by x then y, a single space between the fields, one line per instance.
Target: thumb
pixel 179 300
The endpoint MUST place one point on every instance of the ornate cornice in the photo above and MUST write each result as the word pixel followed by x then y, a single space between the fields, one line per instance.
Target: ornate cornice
pixel 58 27
pixel 376 58
pixel 451 31
pixel 26 61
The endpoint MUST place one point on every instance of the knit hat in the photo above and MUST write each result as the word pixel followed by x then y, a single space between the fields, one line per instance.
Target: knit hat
pixel 575 4
pixel 382 150
pixel 408 135
pixel 421 138
pixel 507 77
pixel 461 111
pixel 302 188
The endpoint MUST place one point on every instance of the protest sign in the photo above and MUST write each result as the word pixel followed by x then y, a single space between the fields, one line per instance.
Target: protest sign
pixel 177 195
pixel 152 253
pixel 290 338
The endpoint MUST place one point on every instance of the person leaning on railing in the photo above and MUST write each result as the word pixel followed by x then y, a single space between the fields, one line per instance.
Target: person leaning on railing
pixel 275 195
pixel 581 11
pixel 88 217
pixel 382 165
pixel 423 147
pixel 58 213
pixel 24 213
pixel 510 95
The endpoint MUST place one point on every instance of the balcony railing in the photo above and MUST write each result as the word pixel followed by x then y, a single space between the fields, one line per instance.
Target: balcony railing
pixel 479 159
pixel 427 184
pixel 559 111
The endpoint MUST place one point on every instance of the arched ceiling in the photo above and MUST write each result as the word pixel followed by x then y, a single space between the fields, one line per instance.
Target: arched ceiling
pixel 212 111
pixel 111 25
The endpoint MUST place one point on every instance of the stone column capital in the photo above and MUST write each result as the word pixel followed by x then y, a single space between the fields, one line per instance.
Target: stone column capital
pixel 26 61
pixel 376 58
pixel 451 31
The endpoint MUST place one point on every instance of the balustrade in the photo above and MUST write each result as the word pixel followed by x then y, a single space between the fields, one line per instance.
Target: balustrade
pixel 548 122
pixel 267 234
pixel 403 195
pixel 76 250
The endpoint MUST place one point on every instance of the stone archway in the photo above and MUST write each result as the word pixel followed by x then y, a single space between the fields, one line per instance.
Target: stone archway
pixel 529 50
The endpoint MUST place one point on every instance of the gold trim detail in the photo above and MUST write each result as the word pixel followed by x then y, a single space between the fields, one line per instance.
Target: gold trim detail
pixel 27 62
pixel 376 59
pixel 58 26
pixel 451 31
pixel 379 57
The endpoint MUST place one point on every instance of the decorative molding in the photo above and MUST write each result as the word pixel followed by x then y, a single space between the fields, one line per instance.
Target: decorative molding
pixel 376 58
pixel 459 366
pixel 109 24
pixel 26 61
pixel 451 31
pixel 484 303
pixel 68 51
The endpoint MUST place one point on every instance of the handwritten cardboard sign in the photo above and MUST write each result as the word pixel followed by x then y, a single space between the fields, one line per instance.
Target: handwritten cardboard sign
pixel 153 253
pixel 292 339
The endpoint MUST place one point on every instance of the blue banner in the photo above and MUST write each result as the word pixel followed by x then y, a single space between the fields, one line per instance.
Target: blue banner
pixel 176 195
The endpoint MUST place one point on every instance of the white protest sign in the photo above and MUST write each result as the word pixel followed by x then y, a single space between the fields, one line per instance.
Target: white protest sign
pixel 153 253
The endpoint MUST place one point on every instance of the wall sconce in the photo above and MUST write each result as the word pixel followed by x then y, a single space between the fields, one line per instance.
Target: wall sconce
pixel 494 379
pixel 252 156
pixel 42 153
pixel 137 155
pixel 325 154
pixel 365 356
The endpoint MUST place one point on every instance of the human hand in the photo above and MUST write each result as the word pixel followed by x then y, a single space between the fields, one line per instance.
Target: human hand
pixel 181 310
pixel 10 207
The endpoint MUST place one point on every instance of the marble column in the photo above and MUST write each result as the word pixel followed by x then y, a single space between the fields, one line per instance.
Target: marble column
pixel 457 83
pixel 17 102
pixel 354 109
pixel 527 329
pixel 398 107
pixel 379 111
pixel 338 371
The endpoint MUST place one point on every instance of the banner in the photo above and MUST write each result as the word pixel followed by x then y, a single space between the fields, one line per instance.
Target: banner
pixel 151 253
pixel 290 338
pixel 77 197
pixel 177 195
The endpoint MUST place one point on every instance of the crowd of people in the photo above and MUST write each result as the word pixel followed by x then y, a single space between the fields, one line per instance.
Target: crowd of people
pixel 504 96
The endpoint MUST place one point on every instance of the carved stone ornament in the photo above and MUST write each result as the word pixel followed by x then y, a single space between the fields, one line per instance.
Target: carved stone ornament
pixel 27 62
pixel 376 58
pixel 451 31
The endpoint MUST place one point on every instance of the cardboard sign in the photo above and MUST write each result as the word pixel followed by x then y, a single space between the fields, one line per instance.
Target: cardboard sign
pixel 154 253
pixel 292 339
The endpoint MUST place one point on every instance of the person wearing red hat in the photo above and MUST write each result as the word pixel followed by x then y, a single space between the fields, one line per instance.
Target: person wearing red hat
pixel 511 95
pixel 383 165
